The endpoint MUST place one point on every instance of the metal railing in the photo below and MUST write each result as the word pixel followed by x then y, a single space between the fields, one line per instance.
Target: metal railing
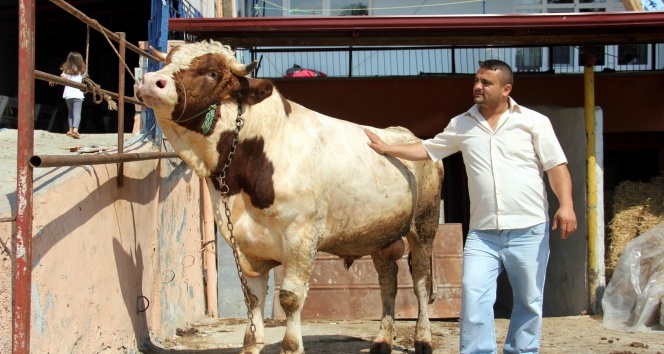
pixel 446 60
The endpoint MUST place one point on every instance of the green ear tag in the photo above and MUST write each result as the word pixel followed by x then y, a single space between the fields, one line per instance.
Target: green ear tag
pixel 209 116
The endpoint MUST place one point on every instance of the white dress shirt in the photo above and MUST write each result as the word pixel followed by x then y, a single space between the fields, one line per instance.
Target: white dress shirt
pixel 504 166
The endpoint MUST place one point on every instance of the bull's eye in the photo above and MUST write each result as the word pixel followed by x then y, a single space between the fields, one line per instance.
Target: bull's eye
pixel 212 75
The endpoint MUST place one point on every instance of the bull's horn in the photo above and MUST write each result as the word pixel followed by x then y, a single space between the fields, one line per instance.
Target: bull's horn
pixel 241 69
pixel 161 56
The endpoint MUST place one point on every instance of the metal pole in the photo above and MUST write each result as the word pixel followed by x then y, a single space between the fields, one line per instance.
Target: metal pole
pixel 62 81
pixel 350 61
pixel 121 89
pixel 209 250
pixel 43 161
pixel 22 245
pixel 591 168
pixel 75 160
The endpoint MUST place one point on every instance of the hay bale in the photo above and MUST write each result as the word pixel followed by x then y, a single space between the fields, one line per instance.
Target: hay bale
pixel 638 207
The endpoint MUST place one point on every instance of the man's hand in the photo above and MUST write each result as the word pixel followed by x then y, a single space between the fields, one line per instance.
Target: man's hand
pixel 566 218
pixel 410 152
pixel 375 142
pixel 561 184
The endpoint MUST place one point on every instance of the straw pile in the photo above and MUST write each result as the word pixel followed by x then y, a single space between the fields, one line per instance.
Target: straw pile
pixel 638 207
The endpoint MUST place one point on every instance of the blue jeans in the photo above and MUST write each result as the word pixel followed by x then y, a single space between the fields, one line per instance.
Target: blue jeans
pixel 523 253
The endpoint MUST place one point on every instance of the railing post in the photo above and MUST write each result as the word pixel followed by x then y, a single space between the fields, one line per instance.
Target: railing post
pixel 121 93
pixel 591 168
pixel 22 245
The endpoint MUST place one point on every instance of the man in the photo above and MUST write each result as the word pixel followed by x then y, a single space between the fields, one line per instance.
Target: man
pixel 505 148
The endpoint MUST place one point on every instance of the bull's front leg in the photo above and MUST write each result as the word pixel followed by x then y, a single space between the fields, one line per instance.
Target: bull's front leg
pixel 297 270
pixel 254 340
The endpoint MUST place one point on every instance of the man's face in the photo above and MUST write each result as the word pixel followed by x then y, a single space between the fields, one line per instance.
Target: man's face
pixel 489 88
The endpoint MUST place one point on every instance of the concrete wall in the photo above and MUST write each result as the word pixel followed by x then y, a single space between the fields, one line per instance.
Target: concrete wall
pixel 100 253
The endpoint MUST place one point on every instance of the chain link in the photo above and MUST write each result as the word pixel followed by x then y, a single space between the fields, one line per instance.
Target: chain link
pixel 225 191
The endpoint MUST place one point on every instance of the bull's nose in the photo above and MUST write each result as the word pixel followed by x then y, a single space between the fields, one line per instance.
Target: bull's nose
pixel 154 80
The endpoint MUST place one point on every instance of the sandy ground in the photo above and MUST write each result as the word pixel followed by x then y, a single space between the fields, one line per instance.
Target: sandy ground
pixel 46 143
pixel 575 334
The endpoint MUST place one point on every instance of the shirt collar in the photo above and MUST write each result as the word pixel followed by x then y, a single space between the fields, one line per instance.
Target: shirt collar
pixel 475 111
pixel 514 107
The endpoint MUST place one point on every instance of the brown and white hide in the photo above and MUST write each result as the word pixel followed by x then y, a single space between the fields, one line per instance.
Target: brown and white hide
pixel 300 182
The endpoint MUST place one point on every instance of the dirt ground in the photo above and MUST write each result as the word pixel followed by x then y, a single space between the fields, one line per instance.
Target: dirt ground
pixel 575 334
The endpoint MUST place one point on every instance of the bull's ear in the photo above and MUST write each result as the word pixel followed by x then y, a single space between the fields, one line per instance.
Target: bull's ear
pixel 161 56
pixel 253 91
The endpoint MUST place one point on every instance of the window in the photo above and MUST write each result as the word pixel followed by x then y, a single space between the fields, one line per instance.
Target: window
pixel 306 8
pixel 348 8
pixel 274 8
pixel 552 6
pixel 562 55
pixel 312 8
pixel 631 54
pixel 528 59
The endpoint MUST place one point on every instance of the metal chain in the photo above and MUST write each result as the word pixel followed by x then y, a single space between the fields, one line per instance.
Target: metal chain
pixel 225 191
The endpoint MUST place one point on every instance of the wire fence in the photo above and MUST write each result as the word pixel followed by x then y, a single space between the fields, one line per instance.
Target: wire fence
pixel 445 60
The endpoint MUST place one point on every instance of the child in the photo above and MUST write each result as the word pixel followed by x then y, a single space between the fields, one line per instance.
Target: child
pixel 73 69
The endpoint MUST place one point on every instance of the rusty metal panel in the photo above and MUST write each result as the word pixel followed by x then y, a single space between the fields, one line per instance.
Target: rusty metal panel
pixel 335 293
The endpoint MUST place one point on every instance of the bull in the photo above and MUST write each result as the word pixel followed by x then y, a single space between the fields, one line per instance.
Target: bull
pixel 295 182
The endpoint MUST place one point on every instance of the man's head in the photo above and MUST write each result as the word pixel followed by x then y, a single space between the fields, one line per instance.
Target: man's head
pixel 493 83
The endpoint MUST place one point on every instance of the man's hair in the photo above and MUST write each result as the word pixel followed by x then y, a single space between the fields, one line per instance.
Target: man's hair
pixel 498 65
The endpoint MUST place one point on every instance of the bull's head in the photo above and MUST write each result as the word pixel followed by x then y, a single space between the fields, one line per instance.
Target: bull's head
pixel 196 76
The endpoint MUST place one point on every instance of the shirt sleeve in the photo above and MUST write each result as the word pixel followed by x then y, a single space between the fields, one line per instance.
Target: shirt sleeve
pixel 546 144
pixel 444 144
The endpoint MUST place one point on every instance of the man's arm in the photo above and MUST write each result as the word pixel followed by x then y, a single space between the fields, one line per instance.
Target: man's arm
pixel 561 184
pixel 412 152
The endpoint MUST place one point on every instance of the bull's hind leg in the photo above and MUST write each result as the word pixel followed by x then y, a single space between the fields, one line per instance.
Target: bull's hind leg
pixel 387 278
pixel 421 273
pixel 254 342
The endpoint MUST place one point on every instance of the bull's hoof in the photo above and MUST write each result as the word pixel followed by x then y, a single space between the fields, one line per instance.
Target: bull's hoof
pixel 380 348
pixel 283 351
pixel 423 348
pixel 252 350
